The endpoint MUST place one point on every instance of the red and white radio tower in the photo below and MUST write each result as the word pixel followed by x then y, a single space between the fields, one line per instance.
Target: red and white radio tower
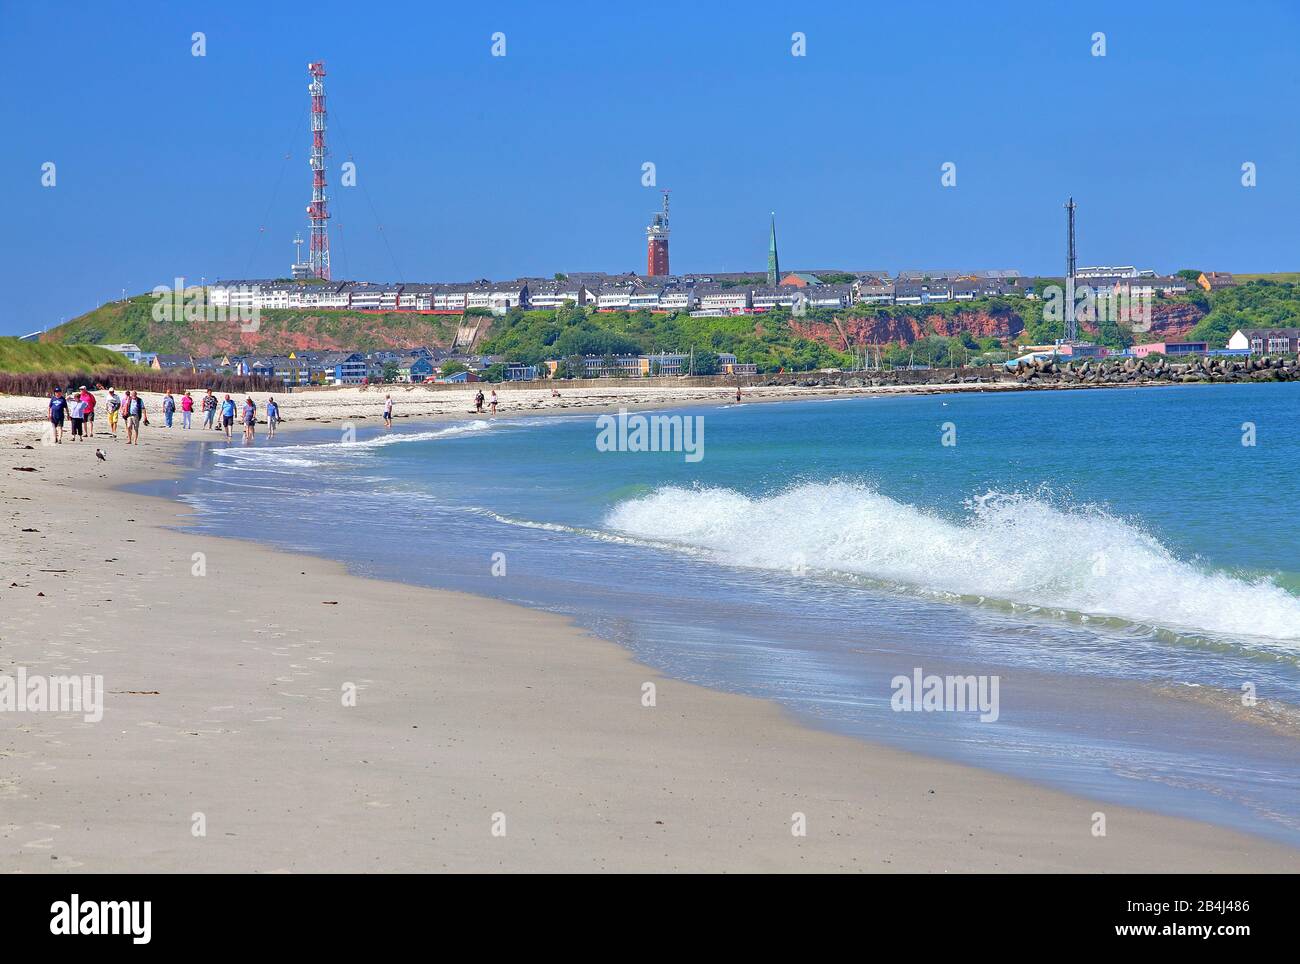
pixel 317 213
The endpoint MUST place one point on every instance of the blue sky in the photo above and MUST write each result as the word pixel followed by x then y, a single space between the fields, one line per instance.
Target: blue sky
pixel 470 165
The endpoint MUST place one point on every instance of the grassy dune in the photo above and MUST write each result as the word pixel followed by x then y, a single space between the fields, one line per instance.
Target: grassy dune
pixel 29 357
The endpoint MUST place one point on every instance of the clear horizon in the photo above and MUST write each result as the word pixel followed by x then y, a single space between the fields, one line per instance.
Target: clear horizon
pixel 468 165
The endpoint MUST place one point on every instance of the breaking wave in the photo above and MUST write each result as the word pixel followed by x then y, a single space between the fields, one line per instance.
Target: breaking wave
pixel 1010 548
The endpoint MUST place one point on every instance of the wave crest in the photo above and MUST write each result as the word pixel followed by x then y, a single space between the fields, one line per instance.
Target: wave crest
pixel 1015 548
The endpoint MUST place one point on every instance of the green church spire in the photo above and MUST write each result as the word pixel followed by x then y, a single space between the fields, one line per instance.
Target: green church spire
pixel 773 262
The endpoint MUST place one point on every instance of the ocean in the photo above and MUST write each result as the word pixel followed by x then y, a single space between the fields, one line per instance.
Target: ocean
pixel 1124 565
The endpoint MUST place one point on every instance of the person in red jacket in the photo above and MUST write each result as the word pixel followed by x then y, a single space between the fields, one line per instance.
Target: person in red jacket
pixel 88 398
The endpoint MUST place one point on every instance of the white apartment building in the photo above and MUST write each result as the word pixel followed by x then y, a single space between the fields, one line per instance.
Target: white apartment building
pixel 390 297
pixel 677 298
pixel 875 293
pixel 616 296
pixel 318 296
pixel 827 296
pixel 508 295
pixel 1102 271
pixel 724 299
pixel 416 298
pixel 132 353
pixel 646 299
pixel 365 296
pixel 553 294
pixel 451 297
pixel 479 297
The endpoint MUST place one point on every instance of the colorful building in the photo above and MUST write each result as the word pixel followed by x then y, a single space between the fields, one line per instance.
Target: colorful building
pixel 1170 348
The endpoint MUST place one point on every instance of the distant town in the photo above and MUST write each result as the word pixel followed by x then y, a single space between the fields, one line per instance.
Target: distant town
pixel 698 295
pixel 422 364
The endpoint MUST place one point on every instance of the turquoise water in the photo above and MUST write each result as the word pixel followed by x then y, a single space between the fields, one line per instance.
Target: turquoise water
pixel 1118 559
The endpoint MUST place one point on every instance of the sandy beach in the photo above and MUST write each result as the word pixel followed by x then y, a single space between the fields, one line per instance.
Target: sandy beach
pixel 484 736
pixel 21 415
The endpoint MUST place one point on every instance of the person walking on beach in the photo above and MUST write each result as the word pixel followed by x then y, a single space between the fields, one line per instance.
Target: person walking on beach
pixel 388 411
pixel 77 412
pixel 209 409
pixel 250 418
pixel 187 411
pixel 114 409
pixel 272 416
pixel 141 415
pixel 88 413
pixel 493 404
pixel 58 409
pixel 228 416
pixel 478 402
pixel 132 424
pixel 135 417
pixel 169 409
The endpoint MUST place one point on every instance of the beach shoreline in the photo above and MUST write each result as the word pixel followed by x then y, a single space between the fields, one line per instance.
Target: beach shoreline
pixel 322 406
pixel 226 701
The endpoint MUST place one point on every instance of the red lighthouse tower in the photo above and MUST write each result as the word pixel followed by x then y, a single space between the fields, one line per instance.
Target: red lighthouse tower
pixel 656 234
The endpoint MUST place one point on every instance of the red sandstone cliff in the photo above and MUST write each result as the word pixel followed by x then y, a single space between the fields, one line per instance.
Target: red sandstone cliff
pixel 1170 321
pixel 852 331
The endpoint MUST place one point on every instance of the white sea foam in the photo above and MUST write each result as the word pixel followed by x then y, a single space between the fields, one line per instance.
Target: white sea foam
pixel 1017 549
pixel 309 455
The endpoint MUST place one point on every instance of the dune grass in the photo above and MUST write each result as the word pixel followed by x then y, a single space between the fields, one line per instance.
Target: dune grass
pixel 30 357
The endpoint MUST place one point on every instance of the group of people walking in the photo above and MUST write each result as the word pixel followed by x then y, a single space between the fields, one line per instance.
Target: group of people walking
pixel 78 409
pixel 222 415
pixel 219 414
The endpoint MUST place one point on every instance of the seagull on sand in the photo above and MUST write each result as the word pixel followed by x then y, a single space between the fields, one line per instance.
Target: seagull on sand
pixel 100 455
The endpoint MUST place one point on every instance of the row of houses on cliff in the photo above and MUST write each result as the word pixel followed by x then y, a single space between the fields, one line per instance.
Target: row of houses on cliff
pixel 702 294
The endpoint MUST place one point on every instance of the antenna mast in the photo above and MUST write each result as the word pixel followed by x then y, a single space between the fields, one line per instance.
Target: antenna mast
pixel 317 212
pixel 1071 324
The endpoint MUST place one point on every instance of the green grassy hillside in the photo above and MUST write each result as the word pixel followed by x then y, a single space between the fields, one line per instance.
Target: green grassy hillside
pixel 27 357
pixel 278 331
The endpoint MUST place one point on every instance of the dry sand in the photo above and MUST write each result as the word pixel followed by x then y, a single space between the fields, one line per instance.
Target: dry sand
pixel 225 699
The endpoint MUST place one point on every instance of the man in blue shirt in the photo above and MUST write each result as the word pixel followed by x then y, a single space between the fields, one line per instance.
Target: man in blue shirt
pixel 58 409
pixel 228 416
pixel 272 416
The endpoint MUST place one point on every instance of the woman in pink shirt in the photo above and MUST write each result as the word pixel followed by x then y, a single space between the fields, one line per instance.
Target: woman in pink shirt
pixel 187 410
pixel 89 424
